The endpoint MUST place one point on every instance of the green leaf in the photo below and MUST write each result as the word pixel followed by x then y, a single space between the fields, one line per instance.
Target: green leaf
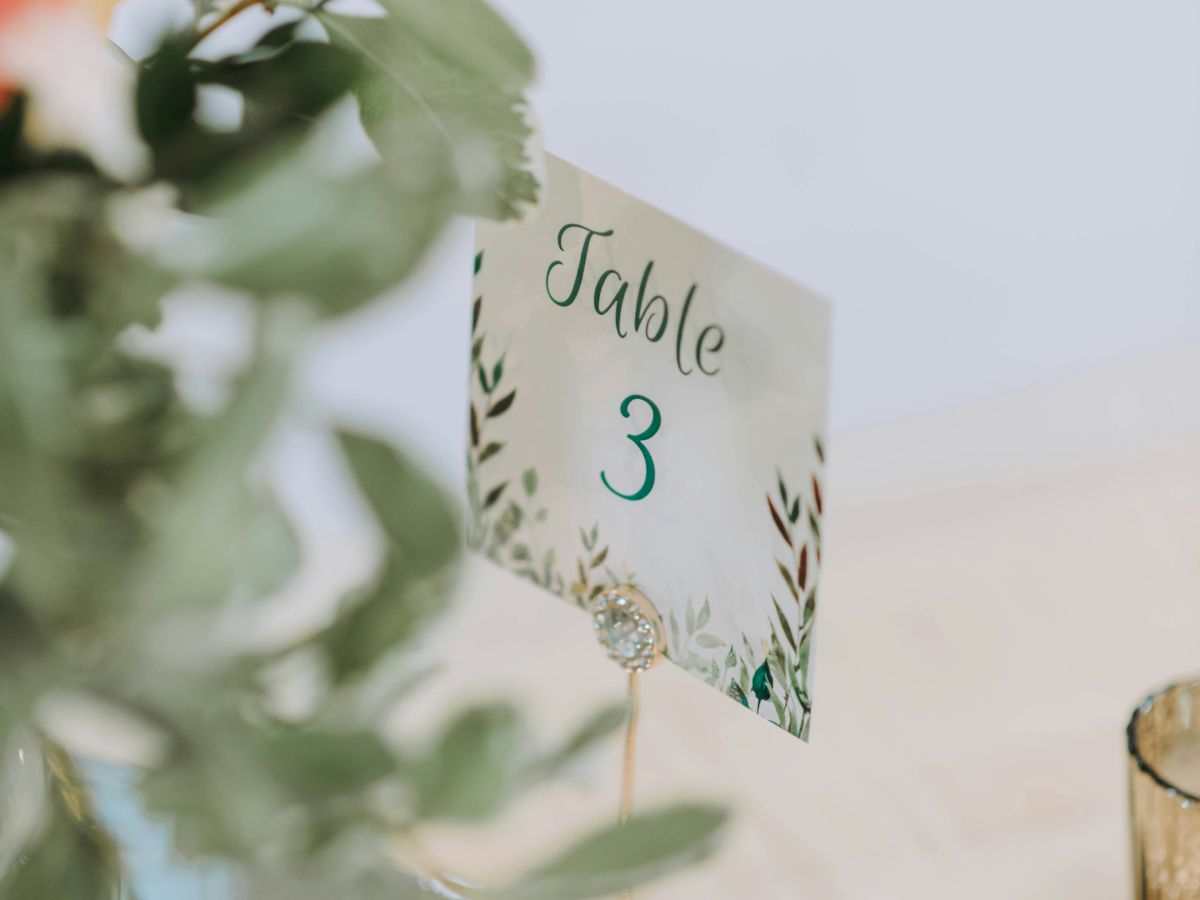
pixel 783 623
pixel 709 641
pixel 284 87
pixel 529 480
pixel 470 35
pixel 501 406
pixel 12 120
pixel 787 577
pixel 735 691
pixel 411 509
pixel 599 558
pixel 689 619
pixel 284 224
pixel 704 616
pixel 620 857
pixel 214 497
pixel 166 92
pixel 323 764
pixel 473 767
pixel 493 496
pixel 810 607
pixel 374 623
pixel 490 450
pixel 730 658
pixel 762 682
pixel 594 729
pixel 269 554
pixel 416 88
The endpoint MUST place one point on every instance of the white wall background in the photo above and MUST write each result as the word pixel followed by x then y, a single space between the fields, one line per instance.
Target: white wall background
pixel 991 193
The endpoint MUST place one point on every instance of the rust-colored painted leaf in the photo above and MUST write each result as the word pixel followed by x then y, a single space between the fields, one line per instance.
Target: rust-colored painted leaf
pixel 783 623
pixel 787 576
pixel 802 568
pixel 474 427
pixel 817 495
pixel 779 521
pixel 502 404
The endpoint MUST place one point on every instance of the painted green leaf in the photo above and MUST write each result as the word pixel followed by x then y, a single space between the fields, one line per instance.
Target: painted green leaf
pixel 730 658
pixel 529 480
pixel 813 526
pixel 794 512
pixel 704 616
pixel 483 382
pixel 810 606
pixel 493 496
pixel 476 349
pixel 787 577
pixel 762 682
pixel 490 450
pixel 783 623
pixel 497 372
pixel 598 559
pixel 478 266
pixel 735 691
pixel 501 406
pixel 689 618
pixel 520 552
pixel 709 641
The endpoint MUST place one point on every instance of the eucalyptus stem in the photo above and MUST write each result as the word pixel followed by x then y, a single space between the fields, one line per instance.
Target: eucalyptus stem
pixel 239 7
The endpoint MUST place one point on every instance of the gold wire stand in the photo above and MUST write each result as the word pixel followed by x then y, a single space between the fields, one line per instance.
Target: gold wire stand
pixel 630 760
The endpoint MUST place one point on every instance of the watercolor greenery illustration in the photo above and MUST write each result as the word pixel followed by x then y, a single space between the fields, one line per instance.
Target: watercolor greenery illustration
pixel 505 525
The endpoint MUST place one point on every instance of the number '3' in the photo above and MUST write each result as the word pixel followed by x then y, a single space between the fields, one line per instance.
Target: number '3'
pixel 639 440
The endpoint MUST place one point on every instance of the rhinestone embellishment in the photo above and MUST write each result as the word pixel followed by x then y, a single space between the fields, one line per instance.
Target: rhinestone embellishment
pixel 628 628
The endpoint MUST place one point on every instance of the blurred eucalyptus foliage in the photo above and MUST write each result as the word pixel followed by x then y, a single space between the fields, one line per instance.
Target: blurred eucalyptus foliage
pixel 130 517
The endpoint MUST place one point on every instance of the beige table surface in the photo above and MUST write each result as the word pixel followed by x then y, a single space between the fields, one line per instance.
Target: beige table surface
pixel 1003 582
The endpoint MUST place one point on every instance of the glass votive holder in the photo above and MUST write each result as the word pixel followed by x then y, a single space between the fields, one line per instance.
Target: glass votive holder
pixel 1164 793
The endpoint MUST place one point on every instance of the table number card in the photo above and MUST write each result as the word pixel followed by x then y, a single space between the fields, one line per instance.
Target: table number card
pixel 647 408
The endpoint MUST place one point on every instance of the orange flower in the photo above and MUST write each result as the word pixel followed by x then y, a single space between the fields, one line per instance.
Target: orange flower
pixel 80 93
